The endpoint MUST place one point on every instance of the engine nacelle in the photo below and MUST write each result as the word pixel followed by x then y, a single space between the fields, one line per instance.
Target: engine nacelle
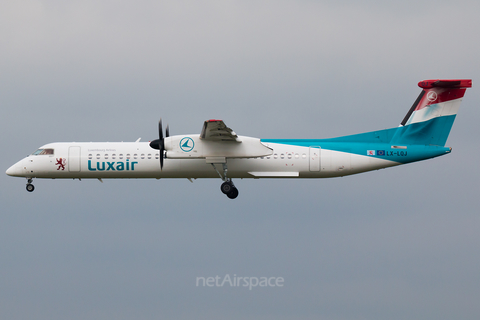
pixel 192 147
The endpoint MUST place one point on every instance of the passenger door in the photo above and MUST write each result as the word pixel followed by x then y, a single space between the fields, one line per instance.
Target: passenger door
pixel 74 159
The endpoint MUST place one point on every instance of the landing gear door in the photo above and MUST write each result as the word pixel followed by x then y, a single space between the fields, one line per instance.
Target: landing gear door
pixel 314 156
pixel 74 159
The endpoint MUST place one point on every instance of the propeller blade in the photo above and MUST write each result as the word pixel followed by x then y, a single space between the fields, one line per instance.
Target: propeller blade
pixel 167 132
pixel 162 148
pixel 160 131
pixel 159 144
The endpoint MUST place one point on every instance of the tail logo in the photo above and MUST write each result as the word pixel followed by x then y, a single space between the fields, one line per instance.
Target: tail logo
pixel 432 96
pixel 61 163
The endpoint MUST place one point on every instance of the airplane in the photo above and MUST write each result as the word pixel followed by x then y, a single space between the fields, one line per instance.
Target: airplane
pixel 218 152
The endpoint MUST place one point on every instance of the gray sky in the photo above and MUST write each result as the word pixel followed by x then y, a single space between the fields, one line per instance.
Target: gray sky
pixel 400 243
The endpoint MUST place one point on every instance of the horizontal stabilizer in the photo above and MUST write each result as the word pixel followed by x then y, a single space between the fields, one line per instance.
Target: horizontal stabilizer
pixel 428 84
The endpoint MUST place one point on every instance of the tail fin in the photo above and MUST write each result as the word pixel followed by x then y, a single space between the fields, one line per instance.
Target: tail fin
pixel 429 120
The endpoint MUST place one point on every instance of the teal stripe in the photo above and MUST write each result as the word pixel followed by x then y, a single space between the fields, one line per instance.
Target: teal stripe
pixel 431 132
pixel 422 140
pixel 382 150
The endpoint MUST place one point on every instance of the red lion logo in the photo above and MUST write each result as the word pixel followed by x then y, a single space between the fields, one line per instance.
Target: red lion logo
pixel 61 163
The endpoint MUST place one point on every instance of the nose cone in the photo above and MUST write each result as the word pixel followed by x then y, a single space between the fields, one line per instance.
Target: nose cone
pixel 15 170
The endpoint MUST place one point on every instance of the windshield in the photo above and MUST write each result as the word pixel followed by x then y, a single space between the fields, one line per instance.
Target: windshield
pixel 41 152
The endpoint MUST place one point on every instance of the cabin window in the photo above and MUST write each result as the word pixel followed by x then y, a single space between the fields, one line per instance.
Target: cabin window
pixel 106 155
pixel 149 156
pixel 304 156
pixel 90 156
pixel 157 156
pixel 296 156
pixel 120 155
pixel 275 156
pixel 282 156
pixel 41 152
pixel 98 155
pixel 128 155
pixel 135 156
pixel 289 156
pixel 142 156
pixel 114 155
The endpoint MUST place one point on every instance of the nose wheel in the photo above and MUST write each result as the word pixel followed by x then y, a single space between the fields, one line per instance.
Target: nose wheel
pixel 30 187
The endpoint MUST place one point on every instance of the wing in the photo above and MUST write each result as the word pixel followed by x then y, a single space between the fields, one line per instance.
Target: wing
pixel 216 130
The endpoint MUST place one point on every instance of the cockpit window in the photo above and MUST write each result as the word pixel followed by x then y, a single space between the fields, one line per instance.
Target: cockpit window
pixel 41 152
pixel 37 152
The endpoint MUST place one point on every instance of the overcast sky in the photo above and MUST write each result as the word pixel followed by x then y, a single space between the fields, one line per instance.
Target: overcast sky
pixel 400 243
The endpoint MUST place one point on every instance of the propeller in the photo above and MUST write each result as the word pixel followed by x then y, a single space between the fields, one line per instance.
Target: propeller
pixel 159 144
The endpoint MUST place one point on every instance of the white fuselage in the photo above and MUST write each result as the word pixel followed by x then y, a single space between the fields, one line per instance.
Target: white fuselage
pixel 138 160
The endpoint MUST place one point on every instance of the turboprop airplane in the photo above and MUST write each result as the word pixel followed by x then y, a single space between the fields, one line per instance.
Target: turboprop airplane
pixel 218 152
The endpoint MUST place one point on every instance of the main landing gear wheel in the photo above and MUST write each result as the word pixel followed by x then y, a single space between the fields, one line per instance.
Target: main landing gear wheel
pixel 227 187
pixel 233 194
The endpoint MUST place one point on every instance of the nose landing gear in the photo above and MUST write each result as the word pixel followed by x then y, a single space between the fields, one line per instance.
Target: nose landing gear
pixel 30 186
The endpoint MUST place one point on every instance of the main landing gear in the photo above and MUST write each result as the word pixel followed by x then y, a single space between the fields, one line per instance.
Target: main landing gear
pixel 227 186
pixel 229 189
pixel 30 186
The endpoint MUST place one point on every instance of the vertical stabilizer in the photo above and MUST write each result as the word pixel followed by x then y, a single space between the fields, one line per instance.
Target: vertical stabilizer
pixel 429 120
